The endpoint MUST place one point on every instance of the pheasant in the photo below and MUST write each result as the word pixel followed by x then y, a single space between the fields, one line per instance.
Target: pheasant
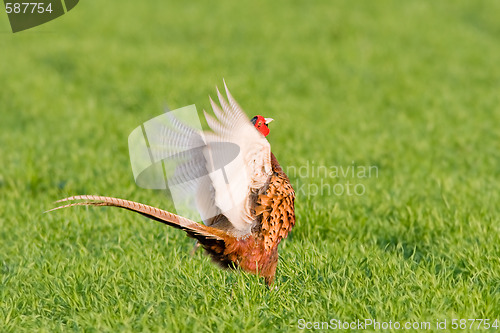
pixel 247 234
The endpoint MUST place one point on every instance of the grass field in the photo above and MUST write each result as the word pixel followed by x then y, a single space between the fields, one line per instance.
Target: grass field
pixel 411 89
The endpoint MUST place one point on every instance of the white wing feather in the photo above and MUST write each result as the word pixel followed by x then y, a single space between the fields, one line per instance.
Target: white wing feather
pixel 208 173
pixel 248 172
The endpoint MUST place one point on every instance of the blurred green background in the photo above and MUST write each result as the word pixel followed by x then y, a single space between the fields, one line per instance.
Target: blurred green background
pixel 410 87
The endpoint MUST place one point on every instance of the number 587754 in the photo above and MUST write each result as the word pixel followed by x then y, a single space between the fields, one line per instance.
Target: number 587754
pixel 27 8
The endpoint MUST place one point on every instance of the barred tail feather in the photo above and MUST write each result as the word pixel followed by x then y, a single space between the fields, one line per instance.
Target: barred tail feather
pixel 209 237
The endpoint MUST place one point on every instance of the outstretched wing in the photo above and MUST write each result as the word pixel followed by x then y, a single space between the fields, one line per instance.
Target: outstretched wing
pixel 212 174
pixel 235 182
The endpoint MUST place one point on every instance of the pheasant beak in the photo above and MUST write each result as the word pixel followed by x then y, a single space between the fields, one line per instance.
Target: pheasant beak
pixel 268 120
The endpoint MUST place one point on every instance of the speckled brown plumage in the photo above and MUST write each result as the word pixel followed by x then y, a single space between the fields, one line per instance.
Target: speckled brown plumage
pixel 257 252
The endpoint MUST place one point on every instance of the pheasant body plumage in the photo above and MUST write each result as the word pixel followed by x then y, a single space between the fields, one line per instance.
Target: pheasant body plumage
pixel 267 212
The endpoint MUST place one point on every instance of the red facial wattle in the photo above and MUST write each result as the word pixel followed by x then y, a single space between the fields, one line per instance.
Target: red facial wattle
pixel 260 124
pixel 264 129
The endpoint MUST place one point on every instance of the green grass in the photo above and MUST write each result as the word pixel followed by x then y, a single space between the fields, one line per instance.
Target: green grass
pixel 409 87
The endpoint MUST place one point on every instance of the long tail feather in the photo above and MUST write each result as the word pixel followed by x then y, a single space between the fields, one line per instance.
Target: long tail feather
pixel 208 236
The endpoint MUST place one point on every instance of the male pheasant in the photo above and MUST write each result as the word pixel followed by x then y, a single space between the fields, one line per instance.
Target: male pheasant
pixel 248 233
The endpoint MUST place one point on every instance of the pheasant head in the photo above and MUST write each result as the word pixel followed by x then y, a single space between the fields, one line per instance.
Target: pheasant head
pixel 261 123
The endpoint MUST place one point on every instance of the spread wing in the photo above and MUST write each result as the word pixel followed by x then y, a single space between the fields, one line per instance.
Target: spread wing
pixel 214 172
pixel 234 183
